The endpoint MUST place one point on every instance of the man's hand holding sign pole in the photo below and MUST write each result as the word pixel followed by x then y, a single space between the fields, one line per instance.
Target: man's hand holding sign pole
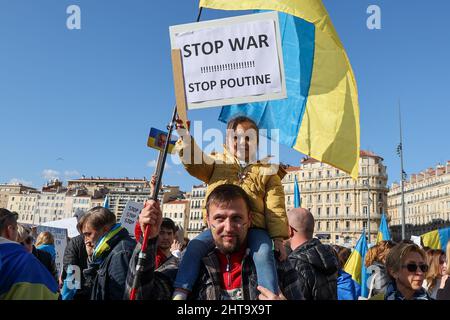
pixel 154 197
pixel 180 109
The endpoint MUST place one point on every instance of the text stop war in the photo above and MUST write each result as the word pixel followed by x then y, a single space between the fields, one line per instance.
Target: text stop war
pixel 230 83
pixel 209 47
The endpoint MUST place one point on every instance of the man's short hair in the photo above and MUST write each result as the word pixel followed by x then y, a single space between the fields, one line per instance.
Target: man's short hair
pixel 168 223
pixel 302 221
pixel 7 218
pixel 98 218
pixel 226 193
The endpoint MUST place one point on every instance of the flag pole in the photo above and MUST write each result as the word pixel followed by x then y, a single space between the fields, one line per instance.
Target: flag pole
pixel 159 172
pixel 402 172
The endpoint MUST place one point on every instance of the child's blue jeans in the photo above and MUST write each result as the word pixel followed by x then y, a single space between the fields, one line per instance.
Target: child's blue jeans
pixel 261 250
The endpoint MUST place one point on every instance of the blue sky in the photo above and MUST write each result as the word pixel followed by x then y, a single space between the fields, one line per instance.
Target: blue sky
pixel 78 102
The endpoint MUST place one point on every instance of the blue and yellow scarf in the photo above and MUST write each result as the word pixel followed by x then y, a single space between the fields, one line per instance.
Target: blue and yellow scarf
pixel 102 248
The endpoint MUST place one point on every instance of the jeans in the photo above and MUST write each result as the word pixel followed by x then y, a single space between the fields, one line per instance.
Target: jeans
pixel 261 250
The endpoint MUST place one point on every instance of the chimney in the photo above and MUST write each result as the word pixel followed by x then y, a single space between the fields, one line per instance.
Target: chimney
pixel 413 178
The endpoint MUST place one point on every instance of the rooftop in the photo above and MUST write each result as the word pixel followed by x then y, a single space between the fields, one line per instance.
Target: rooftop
pixel 178 202
pixel 362 153
pixel 108 179
pixel 292 169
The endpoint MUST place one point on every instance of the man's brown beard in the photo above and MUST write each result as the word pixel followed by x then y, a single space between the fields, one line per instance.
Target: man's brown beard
pixel 236 247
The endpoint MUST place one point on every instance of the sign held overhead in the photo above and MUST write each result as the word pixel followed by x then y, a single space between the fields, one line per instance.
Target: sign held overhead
pixel 231 61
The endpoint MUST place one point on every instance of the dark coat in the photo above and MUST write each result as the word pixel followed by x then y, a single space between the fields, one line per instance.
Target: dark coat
pixel 158 284
pixel 317 267
pixel 76 255
pixel 108 279
pixel 46 259
pixel 444 293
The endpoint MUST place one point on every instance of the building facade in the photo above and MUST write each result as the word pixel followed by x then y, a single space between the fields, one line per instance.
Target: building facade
pixel 8 189
pixel 197 203
pixel 427 202
pixel 122 190
pixel 25 204
pixel 178 211
pixel 339 204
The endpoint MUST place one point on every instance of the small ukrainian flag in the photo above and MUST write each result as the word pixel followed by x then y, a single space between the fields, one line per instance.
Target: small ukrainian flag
pixel 157 140
pixel 383 232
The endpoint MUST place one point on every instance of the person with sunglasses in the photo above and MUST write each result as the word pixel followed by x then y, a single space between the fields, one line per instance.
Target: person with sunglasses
pixel 407 267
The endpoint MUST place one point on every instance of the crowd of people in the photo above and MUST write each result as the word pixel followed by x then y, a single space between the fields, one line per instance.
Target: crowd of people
pixel 252 249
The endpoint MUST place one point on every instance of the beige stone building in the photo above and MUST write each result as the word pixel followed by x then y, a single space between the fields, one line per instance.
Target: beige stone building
pixel 197 203
pixel 25 204
pixel 427 201
pixel 8 189
pixel 77 200
pixel 340 204
pixel 178 211
pixel 122 190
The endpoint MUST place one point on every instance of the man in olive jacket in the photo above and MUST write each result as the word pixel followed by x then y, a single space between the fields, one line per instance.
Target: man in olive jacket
pixel 315 263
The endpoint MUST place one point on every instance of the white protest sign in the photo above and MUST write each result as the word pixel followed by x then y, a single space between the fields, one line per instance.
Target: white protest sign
pixel 130 215
pixel 60 236
pixel 231 61
pixel 416 240
pixel 69 223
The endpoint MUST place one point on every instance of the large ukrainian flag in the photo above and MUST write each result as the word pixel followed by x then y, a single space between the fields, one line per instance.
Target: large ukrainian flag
pixel 436 239
pixel 356 267
pixel 320 117
pixel 22 276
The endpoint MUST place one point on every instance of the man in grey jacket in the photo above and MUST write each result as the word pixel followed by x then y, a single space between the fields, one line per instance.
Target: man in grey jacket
pixel 316 264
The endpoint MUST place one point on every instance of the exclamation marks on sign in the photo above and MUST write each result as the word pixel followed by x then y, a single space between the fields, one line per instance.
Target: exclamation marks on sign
pixel 228 67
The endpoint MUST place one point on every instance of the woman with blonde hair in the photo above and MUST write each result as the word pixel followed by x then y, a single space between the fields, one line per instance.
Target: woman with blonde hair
pixel 407 267
pixel 444 289
pixel 46 242
pixel 437 266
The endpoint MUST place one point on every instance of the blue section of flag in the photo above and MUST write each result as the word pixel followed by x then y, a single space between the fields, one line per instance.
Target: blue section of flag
pixel 297 199
pixel 443 237
pixel 355 266
pixel 362 248
pixel 106 203
pixel 384 229
pixel 297 41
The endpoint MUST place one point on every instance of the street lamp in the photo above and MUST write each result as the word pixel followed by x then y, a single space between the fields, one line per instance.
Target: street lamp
pixel 366 182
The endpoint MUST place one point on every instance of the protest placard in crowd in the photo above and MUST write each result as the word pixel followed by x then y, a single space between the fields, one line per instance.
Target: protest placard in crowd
pixel 229 61
pixel 130 215
pixel 60 236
